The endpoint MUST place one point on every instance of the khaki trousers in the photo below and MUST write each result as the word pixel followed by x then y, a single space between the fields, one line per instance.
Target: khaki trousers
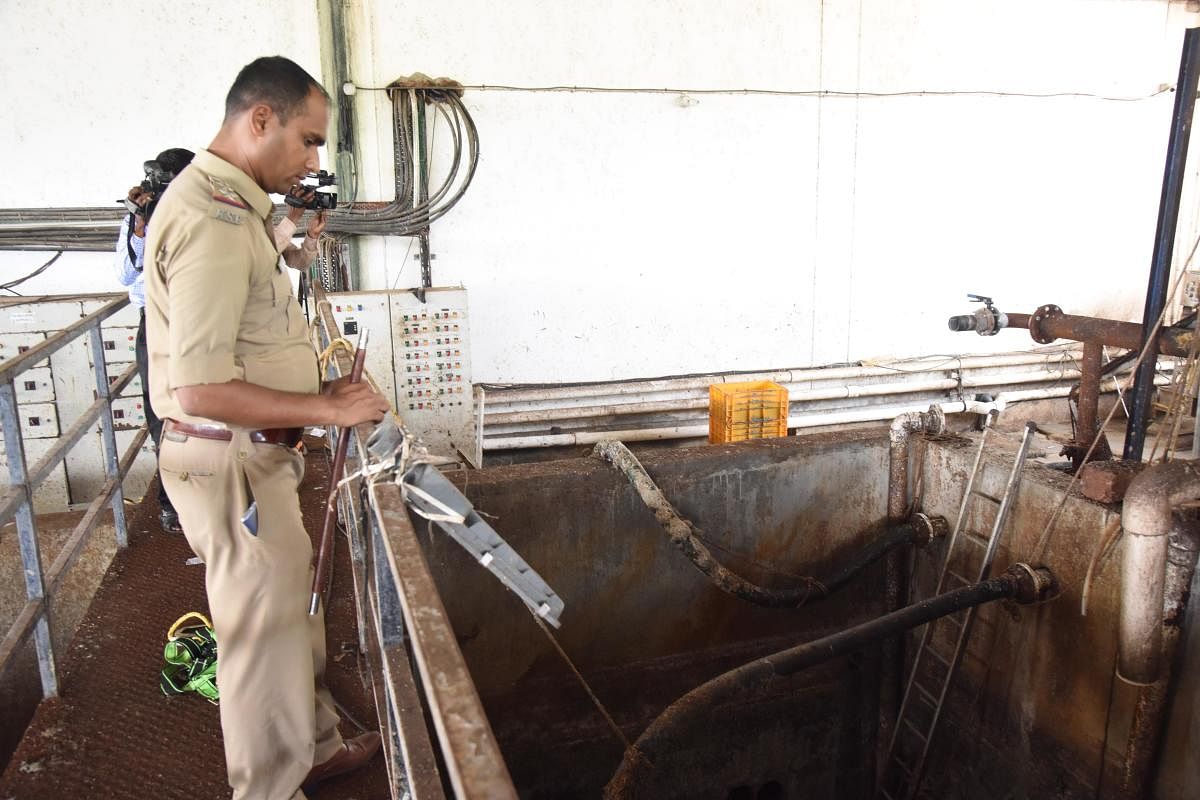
pixel 277 718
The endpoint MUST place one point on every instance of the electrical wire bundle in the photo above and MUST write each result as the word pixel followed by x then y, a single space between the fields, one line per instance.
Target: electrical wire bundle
pixel 415 207
pixel 413 210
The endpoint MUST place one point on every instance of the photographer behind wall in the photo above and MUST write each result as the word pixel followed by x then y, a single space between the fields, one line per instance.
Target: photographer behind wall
pixel 131 243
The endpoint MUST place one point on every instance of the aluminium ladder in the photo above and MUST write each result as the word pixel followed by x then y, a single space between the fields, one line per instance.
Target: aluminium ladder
pixel 921 708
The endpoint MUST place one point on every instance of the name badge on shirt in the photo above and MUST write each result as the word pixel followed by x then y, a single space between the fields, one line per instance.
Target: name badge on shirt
pixel 230 215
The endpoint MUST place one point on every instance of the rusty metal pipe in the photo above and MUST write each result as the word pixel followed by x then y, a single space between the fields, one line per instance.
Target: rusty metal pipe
pixel 699 708
pixel 1147 520
pixel 1049 323
pixel 1149 716
pixel 895 585
pixel 903 426
pixel 1089 392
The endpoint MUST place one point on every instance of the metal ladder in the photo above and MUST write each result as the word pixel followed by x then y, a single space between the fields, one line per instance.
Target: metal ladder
pixel 921 708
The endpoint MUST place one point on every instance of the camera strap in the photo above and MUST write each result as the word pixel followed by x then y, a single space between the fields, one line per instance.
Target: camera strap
pixel 129 243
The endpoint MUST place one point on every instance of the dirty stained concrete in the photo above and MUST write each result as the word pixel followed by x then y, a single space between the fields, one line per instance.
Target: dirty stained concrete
pixel 113 733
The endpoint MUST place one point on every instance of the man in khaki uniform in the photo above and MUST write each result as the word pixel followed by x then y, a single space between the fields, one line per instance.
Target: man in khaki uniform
pixel 233 374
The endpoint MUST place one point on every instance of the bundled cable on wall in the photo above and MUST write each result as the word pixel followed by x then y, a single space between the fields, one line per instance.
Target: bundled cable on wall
pixel 417 202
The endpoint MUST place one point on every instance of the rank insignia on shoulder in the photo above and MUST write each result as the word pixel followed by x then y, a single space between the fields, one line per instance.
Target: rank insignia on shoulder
pixel 224 193
pixel 226 214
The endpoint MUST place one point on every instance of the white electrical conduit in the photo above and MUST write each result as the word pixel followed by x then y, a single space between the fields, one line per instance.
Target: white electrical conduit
pixel 816 419
pixel 819 374
pixel 794 396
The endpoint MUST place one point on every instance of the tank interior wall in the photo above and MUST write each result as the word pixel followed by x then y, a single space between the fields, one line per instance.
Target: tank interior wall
pixel 644 626
pixel 1035 711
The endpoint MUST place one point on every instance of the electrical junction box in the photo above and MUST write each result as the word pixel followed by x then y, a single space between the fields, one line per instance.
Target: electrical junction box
pixel 38 420
pixel 419 354
pixel 13 344
pixel 55 393
pixel 1191 288
pixel 120 347
pixel 34 385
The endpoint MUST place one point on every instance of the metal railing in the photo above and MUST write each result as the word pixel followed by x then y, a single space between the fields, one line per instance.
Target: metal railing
pixel 415 665
pixel 17 499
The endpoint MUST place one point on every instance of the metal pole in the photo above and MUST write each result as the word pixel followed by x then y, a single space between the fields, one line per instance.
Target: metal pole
pixel 31 559
pixel 1164 240
pixel 112 466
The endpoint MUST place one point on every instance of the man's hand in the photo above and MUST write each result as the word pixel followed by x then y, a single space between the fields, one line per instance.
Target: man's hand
pixel 316 225
pixel 355 402
pixel 140 198
pixel 302 194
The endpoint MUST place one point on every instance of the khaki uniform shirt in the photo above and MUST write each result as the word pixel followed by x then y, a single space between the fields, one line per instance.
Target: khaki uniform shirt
pixel 218 305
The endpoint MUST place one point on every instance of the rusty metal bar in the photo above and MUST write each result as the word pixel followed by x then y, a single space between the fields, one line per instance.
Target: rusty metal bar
pixel 14 366
pixel 409 621
pixel 474 763
pixel 10 500
pixel 112 460
pixel 74 545
pixel 31 614
pixel 31 557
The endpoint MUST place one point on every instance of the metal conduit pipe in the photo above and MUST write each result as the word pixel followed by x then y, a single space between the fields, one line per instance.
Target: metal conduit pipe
pixel 1147 519
pixel 846 391
pixel 698 708
pixel 520 394
pixel 1149 715
pixel 515 439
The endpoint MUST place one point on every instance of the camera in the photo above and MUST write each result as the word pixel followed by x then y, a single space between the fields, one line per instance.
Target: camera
pixel 323 198
pixel 157 178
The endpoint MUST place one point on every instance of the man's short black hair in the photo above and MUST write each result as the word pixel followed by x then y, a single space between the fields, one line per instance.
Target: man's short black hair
pixel 175 159
pixel 277 81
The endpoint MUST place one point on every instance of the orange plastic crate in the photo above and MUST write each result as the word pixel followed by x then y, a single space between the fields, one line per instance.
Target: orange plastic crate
pixel 749 410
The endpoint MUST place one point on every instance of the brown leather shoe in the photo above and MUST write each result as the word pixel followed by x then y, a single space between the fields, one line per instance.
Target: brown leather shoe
pixel 354 753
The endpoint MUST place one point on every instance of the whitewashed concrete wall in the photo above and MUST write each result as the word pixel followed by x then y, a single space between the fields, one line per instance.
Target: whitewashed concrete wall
pixel 623 235
pixel 92 89
pixel 615 235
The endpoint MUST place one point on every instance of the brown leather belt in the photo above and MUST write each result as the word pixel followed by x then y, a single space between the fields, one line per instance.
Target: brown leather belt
pixel 288 437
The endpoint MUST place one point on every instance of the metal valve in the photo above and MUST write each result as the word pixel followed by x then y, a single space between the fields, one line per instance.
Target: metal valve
pixel 986 321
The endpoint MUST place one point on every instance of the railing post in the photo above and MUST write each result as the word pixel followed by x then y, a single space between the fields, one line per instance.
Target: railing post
pixel 111 458
pixel 31 559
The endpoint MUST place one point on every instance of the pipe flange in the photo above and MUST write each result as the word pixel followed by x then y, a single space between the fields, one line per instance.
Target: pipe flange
pixel 934 419
pixel 1034 584
pixel 1042 315
pixel 926 528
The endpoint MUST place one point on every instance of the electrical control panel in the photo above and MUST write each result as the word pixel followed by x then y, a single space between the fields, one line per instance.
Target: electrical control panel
pixel 371 311
pixel 1191 289
pixel 53 394
pixel 427 374
pixel 120 346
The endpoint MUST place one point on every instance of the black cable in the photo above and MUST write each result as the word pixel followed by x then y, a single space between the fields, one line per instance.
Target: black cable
pixel 33 274
pixel 694 709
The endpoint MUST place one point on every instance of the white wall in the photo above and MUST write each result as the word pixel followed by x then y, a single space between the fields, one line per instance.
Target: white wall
pixel 92 89
pixel 622 235
pixel 619 235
